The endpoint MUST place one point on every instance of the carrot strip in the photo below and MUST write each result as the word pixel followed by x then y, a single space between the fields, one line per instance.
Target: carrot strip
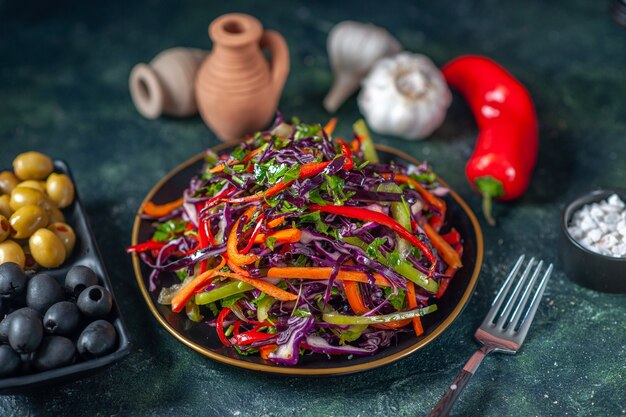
pixel 412 302
pixel 253 153
pixel 237 269
pixel 267 349
pixel 393 324
pixel 320 273
pixel 353 294
pixel 161 210
pixel 276 222
pixel 220 167
pixel 282 236
pixel 449 255
pixel 185 293
pixel 330 126
pixel 231 244
pixel 434 201
pixel 261 285
pixel 306 171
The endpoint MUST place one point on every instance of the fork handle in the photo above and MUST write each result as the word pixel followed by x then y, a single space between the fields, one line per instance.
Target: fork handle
pixel 445 404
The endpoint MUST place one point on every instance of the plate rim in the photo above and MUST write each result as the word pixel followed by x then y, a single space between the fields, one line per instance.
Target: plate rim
pixel 295 371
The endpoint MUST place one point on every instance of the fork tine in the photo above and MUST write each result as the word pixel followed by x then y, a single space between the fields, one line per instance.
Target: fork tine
pixel 519 309
pixel 502 319
pixel 528 318
pixel 497 302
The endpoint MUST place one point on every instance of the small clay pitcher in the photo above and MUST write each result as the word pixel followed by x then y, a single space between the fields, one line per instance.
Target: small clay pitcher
pixel 236 88
pixel 166 84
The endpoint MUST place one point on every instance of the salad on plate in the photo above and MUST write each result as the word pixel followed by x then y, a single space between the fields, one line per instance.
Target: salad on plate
pixel 295 242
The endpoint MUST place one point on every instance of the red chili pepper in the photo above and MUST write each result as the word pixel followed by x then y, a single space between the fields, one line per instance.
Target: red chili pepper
pixel 506 150
pixel 370 215
pixel 249 337
pixel 145 246
pixel 219 325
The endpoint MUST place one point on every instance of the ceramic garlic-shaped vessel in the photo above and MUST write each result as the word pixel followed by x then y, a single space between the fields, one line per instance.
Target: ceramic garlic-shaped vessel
pixel 237 89
pixel 166 85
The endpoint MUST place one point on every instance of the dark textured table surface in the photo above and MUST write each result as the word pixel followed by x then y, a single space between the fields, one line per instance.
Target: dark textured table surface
pixel 63 90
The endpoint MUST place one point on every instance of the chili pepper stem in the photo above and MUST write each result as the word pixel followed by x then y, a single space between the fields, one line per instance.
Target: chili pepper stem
pixel 487 209
pixel 489 188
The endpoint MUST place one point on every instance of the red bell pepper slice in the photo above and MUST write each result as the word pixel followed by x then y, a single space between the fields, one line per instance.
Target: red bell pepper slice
pixel 255 233
pixel 219 325
pixel 145 246
pixel 382 219
pixel 347 153
pixel 249 337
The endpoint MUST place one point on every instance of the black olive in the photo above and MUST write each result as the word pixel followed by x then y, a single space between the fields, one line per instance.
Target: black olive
pixel 25 333
pixel 42 292
pixel 95 302
pixel 12 280
pixel 9 361
pixel 78 278
pixel 97 339
pixel 4 324
pixel 5 305
pixel 27 362
pixel 62 318
pixel 54 352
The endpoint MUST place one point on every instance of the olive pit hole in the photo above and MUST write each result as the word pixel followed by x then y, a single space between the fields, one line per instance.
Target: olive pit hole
pixel 95 294
pixel 233 27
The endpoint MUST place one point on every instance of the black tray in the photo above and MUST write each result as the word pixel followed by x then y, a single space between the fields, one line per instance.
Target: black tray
pixel 85 253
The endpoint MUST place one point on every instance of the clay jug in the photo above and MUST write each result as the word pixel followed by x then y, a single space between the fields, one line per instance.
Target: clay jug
pixel 166 84
pixel 237 89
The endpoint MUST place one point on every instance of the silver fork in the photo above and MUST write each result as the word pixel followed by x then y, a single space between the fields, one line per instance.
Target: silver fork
pixel 503 329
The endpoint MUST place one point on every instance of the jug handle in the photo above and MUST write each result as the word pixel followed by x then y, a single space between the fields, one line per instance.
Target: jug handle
pixel 275 42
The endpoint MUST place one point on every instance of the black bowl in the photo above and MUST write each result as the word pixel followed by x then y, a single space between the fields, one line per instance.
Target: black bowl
pixel 203 338
pixel 590 269
pixel 85 253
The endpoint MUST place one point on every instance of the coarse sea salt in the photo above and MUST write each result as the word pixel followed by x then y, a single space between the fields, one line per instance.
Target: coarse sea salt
pixel 601 227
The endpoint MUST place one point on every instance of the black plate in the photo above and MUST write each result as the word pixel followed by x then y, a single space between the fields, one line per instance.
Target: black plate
pixel 85 253
pixel 203 338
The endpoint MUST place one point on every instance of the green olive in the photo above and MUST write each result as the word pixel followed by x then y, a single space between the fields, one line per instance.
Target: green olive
pixel 8 182
pixel 24 196
pixel 11 252
pixel 32 166
pixel 5 207
pixel 5 228
pixel 37 185
pixel 66 234
pixel 27 220
pixel 55 215
pixel 47 249
pixel 60 189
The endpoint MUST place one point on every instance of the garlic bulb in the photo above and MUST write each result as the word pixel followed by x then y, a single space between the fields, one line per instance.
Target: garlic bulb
pixel 353 48
pixel 405 95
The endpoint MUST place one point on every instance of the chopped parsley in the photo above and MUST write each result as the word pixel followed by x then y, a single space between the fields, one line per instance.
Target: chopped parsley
pixel 169 230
